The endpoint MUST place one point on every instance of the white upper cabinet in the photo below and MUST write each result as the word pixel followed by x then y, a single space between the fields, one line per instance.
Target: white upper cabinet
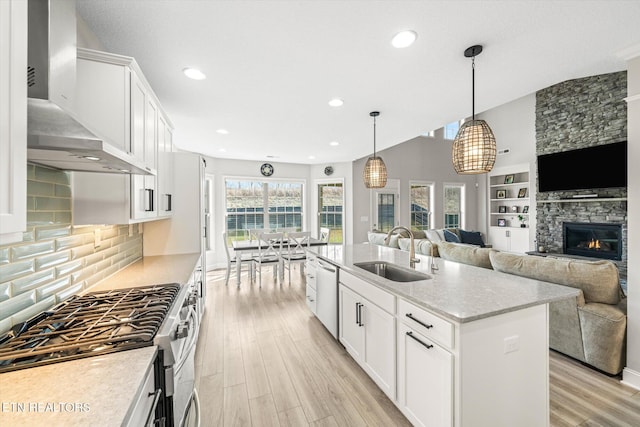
pixel 165 168
pixel 13 120
pixel 116 101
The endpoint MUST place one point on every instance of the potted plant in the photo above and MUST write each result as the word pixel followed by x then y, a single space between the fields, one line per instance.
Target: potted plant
pixel 522 220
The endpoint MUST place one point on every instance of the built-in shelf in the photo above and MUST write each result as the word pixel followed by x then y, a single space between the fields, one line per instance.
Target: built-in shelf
pixel 509 213
pixel 577 200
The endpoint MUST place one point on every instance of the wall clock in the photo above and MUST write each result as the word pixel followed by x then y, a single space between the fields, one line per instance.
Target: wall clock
pixel 328 170
pixel 266 169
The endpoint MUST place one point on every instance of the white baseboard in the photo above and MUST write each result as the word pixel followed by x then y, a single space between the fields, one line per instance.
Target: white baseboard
pixel 631 378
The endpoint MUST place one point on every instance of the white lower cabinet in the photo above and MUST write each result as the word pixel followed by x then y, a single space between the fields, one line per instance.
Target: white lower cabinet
pixel 368 332
pixel 491 371
pixel 425 379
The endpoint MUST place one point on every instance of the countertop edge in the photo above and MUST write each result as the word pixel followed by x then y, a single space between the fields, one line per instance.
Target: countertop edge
pixel 378 282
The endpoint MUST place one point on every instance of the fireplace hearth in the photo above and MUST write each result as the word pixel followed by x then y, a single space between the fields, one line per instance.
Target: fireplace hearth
pixel 594 240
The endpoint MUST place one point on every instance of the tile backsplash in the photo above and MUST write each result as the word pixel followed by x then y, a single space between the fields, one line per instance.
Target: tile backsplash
pixel 55 259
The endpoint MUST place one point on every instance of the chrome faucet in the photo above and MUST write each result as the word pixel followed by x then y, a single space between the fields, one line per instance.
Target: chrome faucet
pixel 412 249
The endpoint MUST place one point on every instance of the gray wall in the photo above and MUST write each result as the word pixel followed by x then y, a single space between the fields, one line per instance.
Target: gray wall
pixel 423 159
pixel 631 372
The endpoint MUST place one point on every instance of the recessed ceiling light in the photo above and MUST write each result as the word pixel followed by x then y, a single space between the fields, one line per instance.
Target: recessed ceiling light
pixel 194 73
pixel 404 39
pixel 312 157
pixel 334 143
pixel 223 131
pixel 222 150
pixel 270 156
pixel 336 102
pixel 94 158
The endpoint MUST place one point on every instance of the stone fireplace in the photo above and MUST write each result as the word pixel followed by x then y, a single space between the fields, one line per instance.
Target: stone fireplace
pixel 594 240
pixel 576 114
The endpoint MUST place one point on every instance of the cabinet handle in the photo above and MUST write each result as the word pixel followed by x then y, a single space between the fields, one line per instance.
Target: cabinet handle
pixel 410 316
pixel 360 315
pixel 148 207
pixel 156 398
pixel 410 334
pixel 169 199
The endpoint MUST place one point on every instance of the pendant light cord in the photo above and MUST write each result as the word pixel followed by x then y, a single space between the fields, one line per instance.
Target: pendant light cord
pixel 473 87
pixel 374 137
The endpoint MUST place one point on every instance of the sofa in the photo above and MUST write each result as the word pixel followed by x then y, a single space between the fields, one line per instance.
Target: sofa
pixel 424 240
pixel 590 328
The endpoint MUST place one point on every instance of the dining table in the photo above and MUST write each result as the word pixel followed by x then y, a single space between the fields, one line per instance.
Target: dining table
pixel 243 246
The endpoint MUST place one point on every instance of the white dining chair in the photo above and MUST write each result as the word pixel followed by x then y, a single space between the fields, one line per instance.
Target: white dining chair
pixel 324 234
pixel 298 244
pixel 269 253
pixel 232 260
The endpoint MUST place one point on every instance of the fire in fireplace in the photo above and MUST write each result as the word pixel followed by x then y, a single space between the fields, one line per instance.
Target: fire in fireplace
pixel 592 240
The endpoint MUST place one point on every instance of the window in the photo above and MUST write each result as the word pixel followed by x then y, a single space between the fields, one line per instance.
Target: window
pixel 451 130
pixel 421 194
pixel 454 205
pixel 386 211
pixel 259 204
pixel 330 210
pixel 285 205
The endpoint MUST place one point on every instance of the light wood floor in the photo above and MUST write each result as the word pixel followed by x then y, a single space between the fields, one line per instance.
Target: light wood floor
pixel 264 360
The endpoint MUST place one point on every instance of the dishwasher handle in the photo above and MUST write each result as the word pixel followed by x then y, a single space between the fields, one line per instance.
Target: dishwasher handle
pixel 327 267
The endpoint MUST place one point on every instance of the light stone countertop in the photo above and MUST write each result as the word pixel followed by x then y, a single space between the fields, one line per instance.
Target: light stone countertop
pixel 151 270
pixel 94 391
pixel 107 384
pixel 459 292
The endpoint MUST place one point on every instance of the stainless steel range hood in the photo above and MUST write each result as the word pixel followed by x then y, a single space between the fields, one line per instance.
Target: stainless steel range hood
pixel 55 137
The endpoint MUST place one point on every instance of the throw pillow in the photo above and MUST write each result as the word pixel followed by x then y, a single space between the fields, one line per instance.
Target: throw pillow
pixel 451 237
pixel 472 237
pixel 434 236
pixel 378 239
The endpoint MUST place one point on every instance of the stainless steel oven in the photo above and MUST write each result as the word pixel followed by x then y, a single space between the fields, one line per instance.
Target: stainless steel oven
pixel 177 338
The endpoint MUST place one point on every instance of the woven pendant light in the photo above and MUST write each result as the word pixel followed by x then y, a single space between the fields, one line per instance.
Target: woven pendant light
pixel 474 147
pixel 375 171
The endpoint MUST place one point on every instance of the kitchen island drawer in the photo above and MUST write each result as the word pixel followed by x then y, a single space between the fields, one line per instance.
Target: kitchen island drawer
pixel 311 298
pixel 381 298
pixel 426 323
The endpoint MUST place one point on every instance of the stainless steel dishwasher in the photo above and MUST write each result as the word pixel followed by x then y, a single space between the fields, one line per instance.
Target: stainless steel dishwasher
pixel 327 296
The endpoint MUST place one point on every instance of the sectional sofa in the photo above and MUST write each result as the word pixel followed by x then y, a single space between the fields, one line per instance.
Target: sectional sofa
pixel 590 328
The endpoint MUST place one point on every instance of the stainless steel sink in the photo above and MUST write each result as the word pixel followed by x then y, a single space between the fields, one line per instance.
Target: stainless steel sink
pixel 392 272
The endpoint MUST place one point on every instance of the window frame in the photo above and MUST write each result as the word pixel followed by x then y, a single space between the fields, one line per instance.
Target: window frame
pixel 462 212
pixel 265 198
pixel 432 189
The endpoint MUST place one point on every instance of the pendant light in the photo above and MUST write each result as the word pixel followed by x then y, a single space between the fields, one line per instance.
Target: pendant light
pixel 375 171
pixel 474 147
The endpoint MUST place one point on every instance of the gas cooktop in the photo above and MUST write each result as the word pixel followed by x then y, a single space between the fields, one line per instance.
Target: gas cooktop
pixel 87 325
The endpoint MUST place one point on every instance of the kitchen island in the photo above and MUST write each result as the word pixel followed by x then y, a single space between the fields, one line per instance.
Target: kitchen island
pixel 464 346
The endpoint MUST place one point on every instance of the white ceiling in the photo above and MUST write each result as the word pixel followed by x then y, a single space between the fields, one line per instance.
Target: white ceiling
pixel 272 66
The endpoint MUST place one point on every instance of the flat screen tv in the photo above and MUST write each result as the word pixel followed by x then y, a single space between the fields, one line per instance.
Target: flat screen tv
pixel 601 166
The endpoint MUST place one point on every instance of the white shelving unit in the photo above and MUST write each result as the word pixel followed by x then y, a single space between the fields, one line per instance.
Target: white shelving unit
pixel 509 204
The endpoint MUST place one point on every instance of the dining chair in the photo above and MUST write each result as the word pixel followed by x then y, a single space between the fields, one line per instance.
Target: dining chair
pixel 254 233
pixel 324 234
pixel 298 244
pixel 232 260
pixel 269 253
